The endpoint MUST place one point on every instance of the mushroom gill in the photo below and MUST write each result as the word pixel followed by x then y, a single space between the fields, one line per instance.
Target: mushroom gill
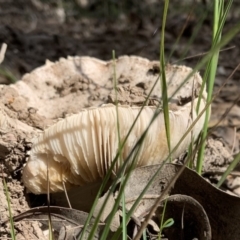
pixel 80 148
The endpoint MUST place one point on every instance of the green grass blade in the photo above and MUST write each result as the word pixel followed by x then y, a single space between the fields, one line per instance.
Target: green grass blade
pixel 124 225
pixel 145 235
pixel 162 219
pixel 233 164
pixel 163 79
pixel 8 75
pixel 215 42
pixel 12 231
pixel 194 35
pixel 4 72
pixel 219 20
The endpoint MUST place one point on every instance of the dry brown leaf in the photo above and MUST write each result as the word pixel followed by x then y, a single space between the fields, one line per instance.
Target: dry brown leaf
pixel 109 204
pixel 190 218
pixel 68 223
pixel 214 202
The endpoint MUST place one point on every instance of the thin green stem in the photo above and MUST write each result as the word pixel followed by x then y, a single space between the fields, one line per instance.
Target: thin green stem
pixel 162 219
pixel 233 164
pixel 219 19
pixel 12 231
pixel 163 79
pixel 124 225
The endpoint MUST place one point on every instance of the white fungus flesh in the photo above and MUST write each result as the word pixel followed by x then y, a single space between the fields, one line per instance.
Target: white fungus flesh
pixel 80 149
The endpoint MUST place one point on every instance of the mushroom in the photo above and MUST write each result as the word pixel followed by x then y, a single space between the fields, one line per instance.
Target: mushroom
pixel 80 148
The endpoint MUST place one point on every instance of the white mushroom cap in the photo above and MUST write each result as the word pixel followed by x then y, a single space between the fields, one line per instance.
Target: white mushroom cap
pixel 81 148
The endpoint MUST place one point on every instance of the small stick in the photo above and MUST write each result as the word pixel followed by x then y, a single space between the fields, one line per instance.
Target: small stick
pixel 234 140
pixel 202 54
pixel 2 52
